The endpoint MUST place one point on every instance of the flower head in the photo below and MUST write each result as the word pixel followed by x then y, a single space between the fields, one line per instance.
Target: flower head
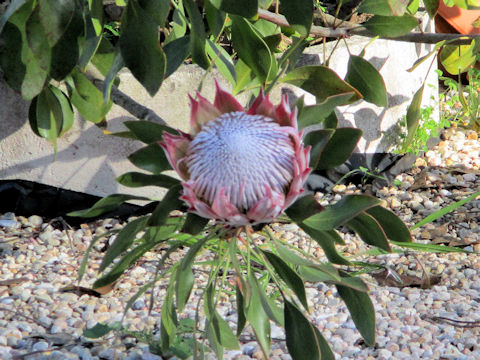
pixel 240 167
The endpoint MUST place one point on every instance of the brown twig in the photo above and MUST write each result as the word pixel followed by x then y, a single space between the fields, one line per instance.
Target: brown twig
pixel 348 29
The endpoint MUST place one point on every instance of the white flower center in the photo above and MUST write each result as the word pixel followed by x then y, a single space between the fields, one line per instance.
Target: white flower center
pixel 243 154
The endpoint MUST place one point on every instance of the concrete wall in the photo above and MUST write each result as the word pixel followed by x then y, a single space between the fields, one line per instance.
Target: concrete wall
pixel 89 161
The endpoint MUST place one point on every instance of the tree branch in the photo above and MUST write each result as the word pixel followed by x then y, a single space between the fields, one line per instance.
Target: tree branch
pixel 348 29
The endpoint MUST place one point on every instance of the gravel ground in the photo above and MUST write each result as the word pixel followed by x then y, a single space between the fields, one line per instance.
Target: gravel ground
pixel 39 321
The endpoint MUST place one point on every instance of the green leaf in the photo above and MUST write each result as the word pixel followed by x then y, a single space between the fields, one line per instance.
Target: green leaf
pixel 413 116
pixel 179 23
pixel 387 8
pixel 321 82
pixel 171 201
pixel 107 204
pixel 391 26
pixel 11 60
pixel 48 117
pixel 445 210
pixel 197 35
pixel 215 19
pixel 245 8
pixel 168 316
pixel 103 57
pixel 299 14
pixel 366 79
pixel 123 241
pixel 241 318
pixel 65 109
pixel 150 158
pixel 457 59
pixel 318 140
pixel 123 264
pixel 257 316
pixel 251 48
pixel 431 247
pixel 157 9
pixel 148 131
pixel 327 240
pixel 288 275
pixel 98 330
pixel 11 9
pixel 194 224
pixel 325 350
pixel 344 210
pixel 222 332
pixel 303 208
pixel 339 148
pixel 65 53
pixel 316 114
pixel 87 98
pixel 361 309
pixel 140 36
pixel 315 273
pixel 116 66
pixel 431 6
pixel 37 41
pixel 394 228
pixel 369 231
pixel 136 179
pixel 55 16
pixel 185 278
pixel 302 341
pixel 222 61
pixel 176 52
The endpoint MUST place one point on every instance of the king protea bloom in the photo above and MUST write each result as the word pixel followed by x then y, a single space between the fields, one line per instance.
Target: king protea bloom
pixel 239 167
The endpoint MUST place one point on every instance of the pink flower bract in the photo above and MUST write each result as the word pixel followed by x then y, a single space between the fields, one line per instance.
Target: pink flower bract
pixel 239 167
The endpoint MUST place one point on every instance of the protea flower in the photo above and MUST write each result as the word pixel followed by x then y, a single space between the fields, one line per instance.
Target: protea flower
pixel 239 167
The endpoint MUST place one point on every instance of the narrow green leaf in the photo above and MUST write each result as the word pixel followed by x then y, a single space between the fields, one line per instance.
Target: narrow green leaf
pixel 320 81
pixel 222 61
pixel 344 210
pixel 317 274
pixel 325 350
pixel 136 179
pixel 148 131
pixel 458 58
pixel 241 318
pixel 185 278
pixel 273 312
pixel 98 331
pixel 48 115
pixel 361 309
pixel 339 148
pixel 37 41
pixel 55 16
pixel 246 8
pixel 123 241
pixel 150 158
pixel 107 204
pixel 432 7
pixel 215 19
pixel 303 208
pixel 366 79
pixel 168 316
pixel 157 9
pixel 140 36
pixel 176 52
pixel 251 48
pixel 170 202
pixel 197 35
pixel 257 316
pixel 288 275
pixel 394 228
pixel 369 231
pixel 302 341
pixel 433 248
pixel 299 14
pixel 413 115
pixel 391 26
pixel 445 210
pixel 318 140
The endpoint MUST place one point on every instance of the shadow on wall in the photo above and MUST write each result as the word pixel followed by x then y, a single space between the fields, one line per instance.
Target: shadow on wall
pixel 13 111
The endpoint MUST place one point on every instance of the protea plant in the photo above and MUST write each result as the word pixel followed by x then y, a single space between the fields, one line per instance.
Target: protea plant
pixel 239 166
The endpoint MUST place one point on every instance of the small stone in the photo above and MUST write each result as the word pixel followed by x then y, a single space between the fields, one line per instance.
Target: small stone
pixel 40 346
pixel 35 220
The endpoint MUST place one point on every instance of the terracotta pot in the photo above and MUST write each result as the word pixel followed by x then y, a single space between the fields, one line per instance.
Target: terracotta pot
pixel 460 19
